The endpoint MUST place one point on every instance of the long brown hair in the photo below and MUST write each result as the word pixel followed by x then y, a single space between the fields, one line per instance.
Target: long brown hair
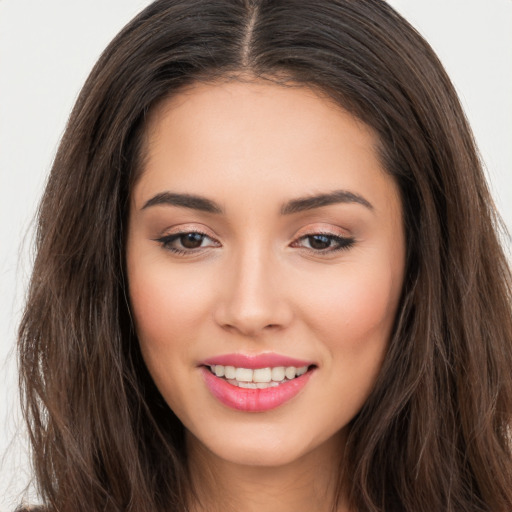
pixel 435 434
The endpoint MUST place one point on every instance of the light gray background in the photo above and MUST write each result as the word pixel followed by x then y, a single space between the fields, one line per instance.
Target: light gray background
pixel 46 51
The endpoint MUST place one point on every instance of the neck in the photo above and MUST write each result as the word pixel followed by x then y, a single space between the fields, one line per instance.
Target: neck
pixel 309 483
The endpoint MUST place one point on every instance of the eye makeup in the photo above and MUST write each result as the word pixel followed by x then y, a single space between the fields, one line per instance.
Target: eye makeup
pixel 324 242
pixel 188 242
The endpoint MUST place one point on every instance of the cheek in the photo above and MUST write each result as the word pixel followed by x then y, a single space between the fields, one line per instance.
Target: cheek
pixel 354 312
pixel 353 323
pixel 167 306
pixel 168 309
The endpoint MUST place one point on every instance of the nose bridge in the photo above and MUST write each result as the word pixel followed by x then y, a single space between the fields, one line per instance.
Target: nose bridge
pixel 253 300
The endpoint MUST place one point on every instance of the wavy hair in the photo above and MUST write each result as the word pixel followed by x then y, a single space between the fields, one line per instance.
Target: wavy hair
pixel 435 433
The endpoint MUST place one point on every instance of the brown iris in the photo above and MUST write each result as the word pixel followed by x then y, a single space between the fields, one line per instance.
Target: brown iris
pixel 191 240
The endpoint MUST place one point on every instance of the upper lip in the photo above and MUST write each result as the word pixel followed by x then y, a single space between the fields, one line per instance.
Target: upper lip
pixel 264 360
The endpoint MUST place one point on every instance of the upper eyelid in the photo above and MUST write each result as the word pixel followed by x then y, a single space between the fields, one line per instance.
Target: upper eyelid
pixel 322 230
pixel 180 230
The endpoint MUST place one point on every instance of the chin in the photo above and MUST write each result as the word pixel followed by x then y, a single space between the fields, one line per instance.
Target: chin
pixel 264 445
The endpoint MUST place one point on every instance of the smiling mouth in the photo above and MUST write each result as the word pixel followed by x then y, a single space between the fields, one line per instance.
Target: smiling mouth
pixel 258 378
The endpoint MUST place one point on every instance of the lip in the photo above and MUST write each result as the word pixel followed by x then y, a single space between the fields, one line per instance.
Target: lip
pixel 254 400
pixel 252 362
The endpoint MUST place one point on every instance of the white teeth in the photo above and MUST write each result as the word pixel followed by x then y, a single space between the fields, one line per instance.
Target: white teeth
pixel 254 385
pixel 229 372
pixel 248 385
pixel 260 377
pixel 243 375
pixel 263 385
pixel 302 371
pixel 290 372
pixel 278 373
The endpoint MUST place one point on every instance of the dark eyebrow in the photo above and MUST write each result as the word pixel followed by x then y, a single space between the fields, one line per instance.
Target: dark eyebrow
pixel 317 201
pixel 294 206
pixel 185 201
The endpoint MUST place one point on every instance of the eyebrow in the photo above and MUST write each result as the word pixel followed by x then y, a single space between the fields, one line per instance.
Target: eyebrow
pixel 300 204
pixel 185 201
pixel 317 201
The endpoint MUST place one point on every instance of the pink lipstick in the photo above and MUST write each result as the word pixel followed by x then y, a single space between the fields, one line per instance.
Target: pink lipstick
pixel 255 383
pixel 265 360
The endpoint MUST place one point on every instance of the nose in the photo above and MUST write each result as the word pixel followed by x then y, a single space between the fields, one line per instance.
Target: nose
pixel 253 298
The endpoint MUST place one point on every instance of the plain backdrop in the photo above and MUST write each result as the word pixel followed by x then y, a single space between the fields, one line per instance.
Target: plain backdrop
pixel 47 49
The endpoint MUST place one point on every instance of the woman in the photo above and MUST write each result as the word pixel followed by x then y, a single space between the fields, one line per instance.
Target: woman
pixel 268 274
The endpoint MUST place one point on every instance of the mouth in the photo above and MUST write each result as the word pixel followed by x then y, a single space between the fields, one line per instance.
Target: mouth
pixel 255 389
pixel 257 378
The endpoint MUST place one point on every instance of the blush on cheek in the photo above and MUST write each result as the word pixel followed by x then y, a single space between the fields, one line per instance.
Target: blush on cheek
pixel 162 300
pixel 361 304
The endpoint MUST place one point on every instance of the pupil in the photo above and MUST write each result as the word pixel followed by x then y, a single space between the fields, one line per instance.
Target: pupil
pixel 319 241
pixel 191 240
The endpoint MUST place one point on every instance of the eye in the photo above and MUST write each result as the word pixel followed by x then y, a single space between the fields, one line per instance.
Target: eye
pixel 324 243
pixel 187 242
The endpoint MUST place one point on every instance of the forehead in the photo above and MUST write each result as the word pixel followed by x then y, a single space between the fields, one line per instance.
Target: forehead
pixel 292 108
pixel 258 136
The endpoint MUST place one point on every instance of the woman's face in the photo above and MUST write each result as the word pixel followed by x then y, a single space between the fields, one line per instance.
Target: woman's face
pixel 265 263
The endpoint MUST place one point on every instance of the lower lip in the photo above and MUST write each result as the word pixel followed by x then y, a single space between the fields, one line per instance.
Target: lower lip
pixel 253 400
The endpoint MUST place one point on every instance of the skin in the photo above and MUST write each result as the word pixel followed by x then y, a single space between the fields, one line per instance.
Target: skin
pixel 258 284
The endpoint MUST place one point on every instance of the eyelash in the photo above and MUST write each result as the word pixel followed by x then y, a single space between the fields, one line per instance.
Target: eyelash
pixel 342 243
pixel 167 240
